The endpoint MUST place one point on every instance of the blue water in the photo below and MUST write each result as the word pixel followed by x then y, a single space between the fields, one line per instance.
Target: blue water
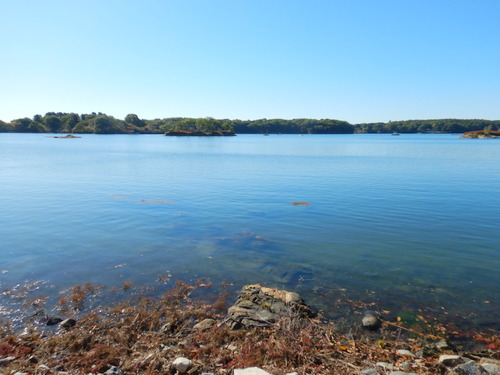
pixel 411 219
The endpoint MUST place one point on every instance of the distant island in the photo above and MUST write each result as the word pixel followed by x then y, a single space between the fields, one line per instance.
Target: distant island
pixel 485 133
pixel 100 123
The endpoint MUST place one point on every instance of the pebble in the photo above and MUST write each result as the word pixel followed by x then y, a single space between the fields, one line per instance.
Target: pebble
pixel 68 323
pixel 182 364
pixel 53 320
pixel 405 352
pixel 44 368
pixel 114 371
pixel 371 320
pixel 402 373
pixel 385 365
pixel 370 371
pixel 451 360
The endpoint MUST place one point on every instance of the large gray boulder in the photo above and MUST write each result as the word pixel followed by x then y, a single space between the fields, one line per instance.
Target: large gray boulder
pixel 258 306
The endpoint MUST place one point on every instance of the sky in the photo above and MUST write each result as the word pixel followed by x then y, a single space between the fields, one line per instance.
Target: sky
pixel 357 61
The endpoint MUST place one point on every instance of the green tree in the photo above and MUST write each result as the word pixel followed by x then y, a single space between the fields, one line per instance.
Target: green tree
pixel 134 120
pixel 22 125
pixel 53 123
pixel 69 121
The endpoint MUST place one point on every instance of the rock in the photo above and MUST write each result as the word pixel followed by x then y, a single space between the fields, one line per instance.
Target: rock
pixel 371 320
pixel 44 368
pixel 491 368
pixel 451 360
pixel 370 371
pixel 250 371
pixel 385 365
pixel 405 352
pixel 405 366
pixel 402 373
pixel 258 306
pixel 204 325
pixel 53 320
pixel 292 373
pixel 182 364
pixel 490 360
pixel 21 373
pixel 469 368
pixel 114 371
pixel 68 323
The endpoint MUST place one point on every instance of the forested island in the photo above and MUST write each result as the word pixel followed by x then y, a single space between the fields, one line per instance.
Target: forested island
pixel 100 123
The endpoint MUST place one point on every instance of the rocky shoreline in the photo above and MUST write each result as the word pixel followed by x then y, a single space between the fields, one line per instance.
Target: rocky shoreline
pixel 266 331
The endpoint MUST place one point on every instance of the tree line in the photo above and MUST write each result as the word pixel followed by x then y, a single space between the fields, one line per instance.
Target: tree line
pixel 100 123
pixel 427 126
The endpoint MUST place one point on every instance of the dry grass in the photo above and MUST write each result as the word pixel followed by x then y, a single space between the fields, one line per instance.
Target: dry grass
pixel 146 335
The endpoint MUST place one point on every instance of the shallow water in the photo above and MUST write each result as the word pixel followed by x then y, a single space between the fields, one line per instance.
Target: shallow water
pixel 412 219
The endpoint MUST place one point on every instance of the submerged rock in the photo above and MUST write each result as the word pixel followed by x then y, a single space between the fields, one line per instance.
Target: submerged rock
pixel 258 306
pixel 371 320
pixel 68 323
pixel 52 320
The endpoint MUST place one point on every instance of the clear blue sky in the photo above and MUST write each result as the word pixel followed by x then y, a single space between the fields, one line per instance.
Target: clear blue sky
pixel 359 61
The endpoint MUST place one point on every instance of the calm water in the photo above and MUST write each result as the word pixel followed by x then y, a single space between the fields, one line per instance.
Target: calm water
pixel 413 220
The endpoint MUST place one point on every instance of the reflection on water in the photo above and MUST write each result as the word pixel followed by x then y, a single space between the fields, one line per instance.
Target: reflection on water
pixel 401 221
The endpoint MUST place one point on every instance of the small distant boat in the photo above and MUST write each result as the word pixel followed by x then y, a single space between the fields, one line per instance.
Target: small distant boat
pixel 396 134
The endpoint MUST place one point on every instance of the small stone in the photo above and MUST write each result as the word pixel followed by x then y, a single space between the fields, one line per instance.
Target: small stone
pixel 21 373
pixel 469 368
pixel 402 373
pixel 385 365
pixel 182 364
pixel 68 323
pixel 491 368
pixel 232 347
pixel 53 320
pixel 292 373
pixel 405 352
pixel 370 371
pixel 204 325
pixel 250 371
pixel 114 371
pixel 371 320
pixel 405 366
pixel 451 360
pixel 44 368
